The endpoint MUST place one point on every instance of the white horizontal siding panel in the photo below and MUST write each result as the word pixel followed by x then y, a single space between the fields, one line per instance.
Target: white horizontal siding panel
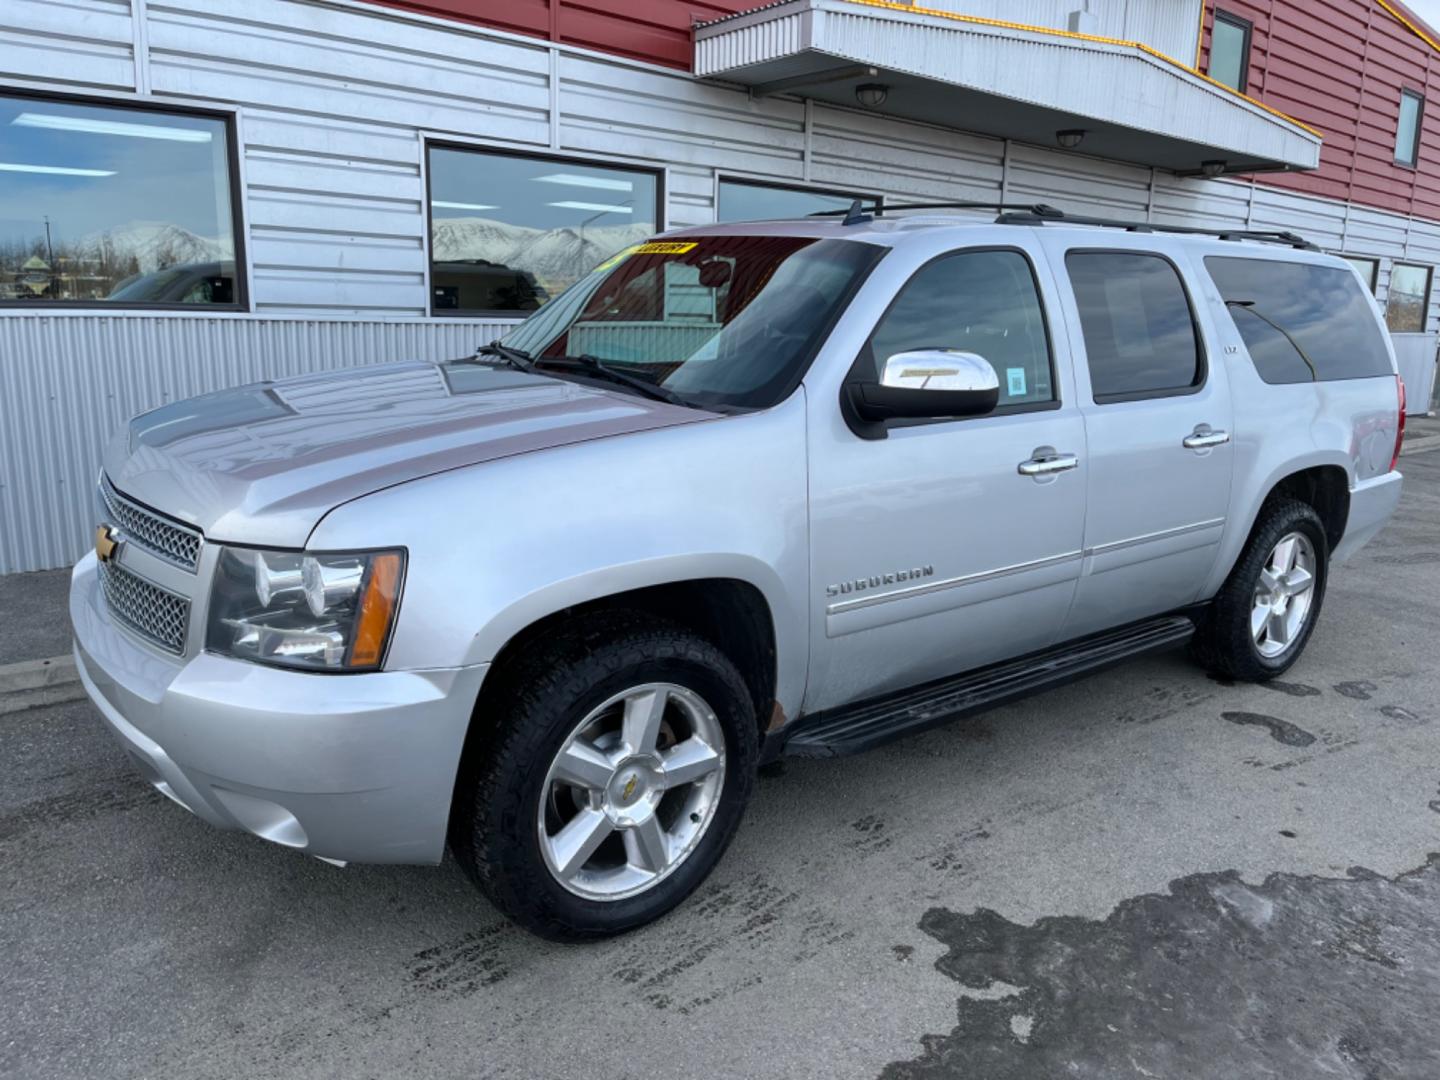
pixel 1200 203
pixel 281 289
pixel 87 375
pixel 329 136
pixel 347 32
pixel 271 251
pixel 340 176
pixel 691 197
pixel 226 81
pixel 75 42
pixel 1375 232
pixel 1318 220
pixel 363 67
pixel 309 211
pixel 1079 184
pixel 912 161
pixel 619 110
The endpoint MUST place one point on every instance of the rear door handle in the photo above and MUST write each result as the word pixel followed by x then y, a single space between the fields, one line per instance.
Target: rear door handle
pixel 1204 438
pixel 1051 463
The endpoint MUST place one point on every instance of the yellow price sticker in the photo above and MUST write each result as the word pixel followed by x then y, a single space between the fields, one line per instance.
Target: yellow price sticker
pixel 619 257
pixel 665 247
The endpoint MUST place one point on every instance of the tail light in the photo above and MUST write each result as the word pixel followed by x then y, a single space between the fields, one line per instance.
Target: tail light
pixel 1399 427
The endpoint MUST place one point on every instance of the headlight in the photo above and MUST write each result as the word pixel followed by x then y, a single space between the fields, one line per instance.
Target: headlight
pixel 311 611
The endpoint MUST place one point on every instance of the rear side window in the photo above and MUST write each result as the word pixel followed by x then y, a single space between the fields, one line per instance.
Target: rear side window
pixel 1301 322
pixel 1140 336
pixel 984 302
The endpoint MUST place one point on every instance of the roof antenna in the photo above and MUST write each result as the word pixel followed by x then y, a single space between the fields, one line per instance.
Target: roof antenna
pixel 856 214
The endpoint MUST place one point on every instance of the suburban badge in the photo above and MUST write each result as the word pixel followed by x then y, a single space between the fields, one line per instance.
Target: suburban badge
pixel 877 580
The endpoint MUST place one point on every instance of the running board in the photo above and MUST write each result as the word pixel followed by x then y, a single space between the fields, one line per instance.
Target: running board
pixel 852 728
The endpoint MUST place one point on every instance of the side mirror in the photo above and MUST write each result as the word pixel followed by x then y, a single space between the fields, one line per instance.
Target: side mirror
pixel 927 384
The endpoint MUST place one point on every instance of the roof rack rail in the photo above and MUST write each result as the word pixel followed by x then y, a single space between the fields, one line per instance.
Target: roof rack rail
pixel 859 213
pixel 1275 236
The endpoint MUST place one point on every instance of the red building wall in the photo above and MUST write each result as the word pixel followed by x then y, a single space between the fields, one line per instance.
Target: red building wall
pixel 1339 66
pixel 653 30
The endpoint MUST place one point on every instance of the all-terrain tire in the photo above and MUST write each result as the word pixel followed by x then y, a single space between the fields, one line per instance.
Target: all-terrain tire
pixel 1224 642
pixel 534 708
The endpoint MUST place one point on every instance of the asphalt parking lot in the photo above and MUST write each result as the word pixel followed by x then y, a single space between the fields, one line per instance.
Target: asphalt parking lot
pixel 1147 874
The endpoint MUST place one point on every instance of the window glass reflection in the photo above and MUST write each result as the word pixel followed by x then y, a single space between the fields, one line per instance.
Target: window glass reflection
pixel 741 201
pixel 1408 298
pixel 100 204
pixel 507 233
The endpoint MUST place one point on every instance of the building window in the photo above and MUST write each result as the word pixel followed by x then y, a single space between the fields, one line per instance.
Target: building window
pixel 108 205
pixel 1230 50
pixel 508 232
pixel 1139 331
pixel 1407 132
pixel 1408 300
pixel 754 200
pixel 1368 269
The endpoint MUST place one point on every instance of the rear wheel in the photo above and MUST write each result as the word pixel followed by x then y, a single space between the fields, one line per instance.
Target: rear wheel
pixel 613 780
pixel 1263 616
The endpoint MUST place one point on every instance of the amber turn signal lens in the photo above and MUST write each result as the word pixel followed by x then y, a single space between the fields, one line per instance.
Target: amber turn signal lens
pixel 377 609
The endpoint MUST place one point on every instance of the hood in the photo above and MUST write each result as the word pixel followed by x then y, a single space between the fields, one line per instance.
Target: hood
pixel 262 464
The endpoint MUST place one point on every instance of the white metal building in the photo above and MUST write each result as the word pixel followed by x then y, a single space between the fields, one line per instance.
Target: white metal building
pixel 348 212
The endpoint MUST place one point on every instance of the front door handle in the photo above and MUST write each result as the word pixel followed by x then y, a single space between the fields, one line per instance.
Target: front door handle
pixel 1204 438
pixel 1049 464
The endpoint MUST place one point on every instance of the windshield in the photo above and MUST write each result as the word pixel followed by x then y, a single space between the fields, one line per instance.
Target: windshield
pixel 727 322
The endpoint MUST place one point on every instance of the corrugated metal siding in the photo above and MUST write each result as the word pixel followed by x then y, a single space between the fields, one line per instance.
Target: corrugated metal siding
pixel 67 384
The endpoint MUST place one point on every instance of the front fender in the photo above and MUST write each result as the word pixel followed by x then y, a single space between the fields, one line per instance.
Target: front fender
pixel 496 547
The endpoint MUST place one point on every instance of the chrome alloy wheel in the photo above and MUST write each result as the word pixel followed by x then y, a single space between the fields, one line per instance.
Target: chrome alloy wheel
pixel 1283 595
pixel 632 791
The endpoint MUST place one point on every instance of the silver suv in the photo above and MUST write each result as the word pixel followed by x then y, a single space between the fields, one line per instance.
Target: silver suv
pixel 782 488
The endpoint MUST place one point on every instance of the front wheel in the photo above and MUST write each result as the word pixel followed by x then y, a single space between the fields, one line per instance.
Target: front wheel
pixel 1264 614
pixel 612 782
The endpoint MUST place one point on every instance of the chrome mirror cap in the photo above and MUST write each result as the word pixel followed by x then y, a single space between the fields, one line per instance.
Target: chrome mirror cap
pixel 939 369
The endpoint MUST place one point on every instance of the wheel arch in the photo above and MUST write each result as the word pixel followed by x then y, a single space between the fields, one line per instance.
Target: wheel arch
pixel 727 602
pixel 1322 481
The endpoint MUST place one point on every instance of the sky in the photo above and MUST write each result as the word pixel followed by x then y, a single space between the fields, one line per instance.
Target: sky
pixel 116 179
pixel 1429 10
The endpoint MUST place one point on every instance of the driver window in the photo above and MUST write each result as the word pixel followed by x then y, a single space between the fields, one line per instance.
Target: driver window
pixel 984 302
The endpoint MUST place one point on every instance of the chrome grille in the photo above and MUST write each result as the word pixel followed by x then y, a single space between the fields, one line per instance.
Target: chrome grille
pixel 152 612
pixel 171 541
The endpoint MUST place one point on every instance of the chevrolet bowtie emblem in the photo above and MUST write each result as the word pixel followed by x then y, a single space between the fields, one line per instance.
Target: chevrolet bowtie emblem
pixel 106 543
pixel 629 789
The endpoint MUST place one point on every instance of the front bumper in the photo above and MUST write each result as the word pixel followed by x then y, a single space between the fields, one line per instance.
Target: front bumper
pixel 353 768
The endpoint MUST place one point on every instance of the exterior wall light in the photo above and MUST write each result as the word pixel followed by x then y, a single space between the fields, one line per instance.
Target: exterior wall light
pixel 1211 169
pixel 872 94
pixel 1070 138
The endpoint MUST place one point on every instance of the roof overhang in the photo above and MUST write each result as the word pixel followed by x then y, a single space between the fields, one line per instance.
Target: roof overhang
pixel 1004 79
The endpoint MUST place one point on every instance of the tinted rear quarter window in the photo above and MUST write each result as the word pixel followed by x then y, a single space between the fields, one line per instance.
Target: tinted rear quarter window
pixel 1140 338
pixel 1301 322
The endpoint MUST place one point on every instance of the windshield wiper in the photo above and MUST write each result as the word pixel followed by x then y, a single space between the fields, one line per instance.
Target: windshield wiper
pixel 516 358
pixel 587 362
